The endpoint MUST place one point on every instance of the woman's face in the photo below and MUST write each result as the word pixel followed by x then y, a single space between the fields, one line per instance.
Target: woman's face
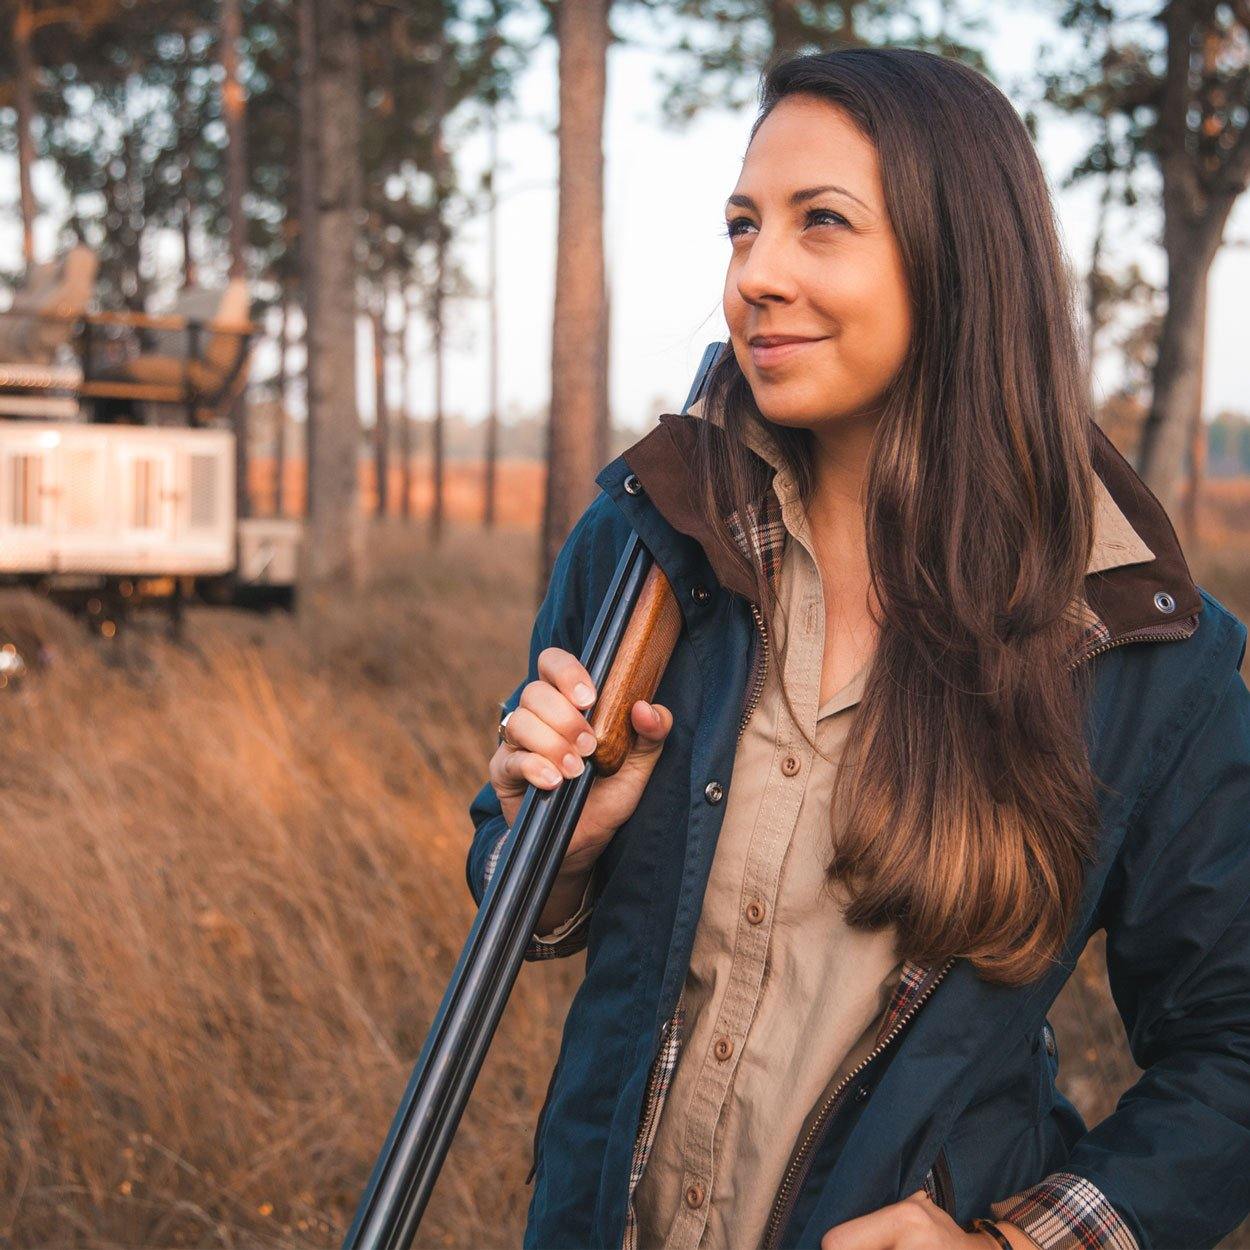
pixel 814 257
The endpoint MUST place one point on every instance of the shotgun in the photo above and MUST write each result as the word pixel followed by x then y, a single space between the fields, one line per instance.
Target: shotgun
pixel 626 653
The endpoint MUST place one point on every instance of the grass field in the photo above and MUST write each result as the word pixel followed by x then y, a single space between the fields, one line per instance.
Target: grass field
pixel 233 893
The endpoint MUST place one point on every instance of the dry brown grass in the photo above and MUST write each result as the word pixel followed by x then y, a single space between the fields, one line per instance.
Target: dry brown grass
pixel 233 893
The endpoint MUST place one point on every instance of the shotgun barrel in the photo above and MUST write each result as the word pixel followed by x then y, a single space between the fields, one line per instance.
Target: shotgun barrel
pixel 626 653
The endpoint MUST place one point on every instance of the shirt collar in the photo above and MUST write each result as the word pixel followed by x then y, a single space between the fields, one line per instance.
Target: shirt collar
pixel 1116 542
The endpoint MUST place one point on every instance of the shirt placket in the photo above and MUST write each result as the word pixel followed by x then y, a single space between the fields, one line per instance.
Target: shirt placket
pixel 779 811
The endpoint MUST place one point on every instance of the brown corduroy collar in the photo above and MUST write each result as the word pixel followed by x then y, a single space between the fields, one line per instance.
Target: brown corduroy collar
pixel 1147 591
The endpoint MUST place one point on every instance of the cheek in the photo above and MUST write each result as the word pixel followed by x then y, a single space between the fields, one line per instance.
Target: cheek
pixel 871 309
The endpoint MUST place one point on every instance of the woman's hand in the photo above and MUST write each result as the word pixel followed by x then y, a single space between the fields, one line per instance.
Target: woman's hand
pixel 913 1224
pixel 553 736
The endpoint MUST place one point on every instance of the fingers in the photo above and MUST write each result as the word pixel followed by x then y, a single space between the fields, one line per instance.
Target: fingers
pixel 512 770
pixel 547 722
pixel 652 721
pixel 566 673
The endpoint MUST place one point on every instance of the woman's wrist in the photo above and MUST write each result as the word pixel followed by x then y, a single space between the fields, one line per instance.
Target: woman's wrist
pixel 1001 1234
pixel 566 894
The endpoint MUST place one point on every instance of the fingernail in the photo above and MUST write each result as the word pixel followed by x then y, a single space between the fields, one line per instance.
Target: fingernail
pixel 586 742
pixel 573 766
pixel 550 776
pixel 583 695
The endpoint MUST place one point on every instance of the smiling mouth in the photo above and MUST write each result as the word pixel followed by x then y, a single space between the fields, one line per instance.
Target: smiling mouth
pixel 764 356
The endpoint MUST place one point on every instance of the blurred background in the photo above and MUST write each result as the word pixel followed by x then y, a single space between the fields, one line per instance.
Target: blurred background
pixel 320 317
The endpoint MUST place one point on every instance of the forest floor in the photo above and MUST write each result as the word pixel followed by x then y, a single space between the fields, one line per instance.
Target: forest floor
pixel 234 890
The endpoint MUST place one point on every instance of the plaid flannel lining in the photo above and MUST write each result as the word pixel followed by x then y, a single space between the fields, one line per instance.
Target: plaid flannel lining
pixel 1064 1211
pixel 567 938
pixel 1067 1209
pixel 658 1081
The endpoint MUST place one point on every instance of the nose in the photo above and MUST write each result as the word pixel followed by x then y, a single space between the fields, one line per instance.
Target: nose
pixel 765 274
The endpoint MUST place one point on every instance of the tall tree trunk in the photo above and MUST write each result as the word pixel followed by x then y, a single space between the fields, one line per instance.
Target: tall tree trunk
pixel 280 448
pixel 334 546
pixel 438 311
pixel 24 61
pixel 579 295
pixel 1197 450
pixel 233 106
pixel 1196 206
pixel 603 418
pixel 306 30
pixel 492 305
pixel 185 211
pixel 1095 286
pixel 381 417
pixel 405 407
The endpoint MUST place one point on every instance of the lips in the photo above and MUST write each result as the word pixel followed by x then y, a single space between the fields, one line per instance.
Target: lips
pixel 774 349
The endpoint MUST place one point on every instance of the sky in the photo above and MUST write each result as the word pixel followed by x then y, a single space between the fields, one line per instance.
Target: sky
pixel 666 254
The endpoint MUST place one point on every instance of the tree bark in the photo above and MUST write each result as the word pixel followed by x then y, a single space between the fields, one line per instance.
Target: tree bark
pixel 306 29
pixel 23 57
pixel 280 442
pixel 405 410
pixel 334 545
pixel 492 304
pixel 579 289
pixel 442 178
pixel 1196 207
pixel 381 416
pixel 233 106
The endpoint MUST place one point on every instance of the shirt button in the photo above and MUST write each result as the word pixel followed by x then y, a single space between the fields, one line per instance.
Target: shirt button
pixel 724 1048
pixel 694 1195
pixel 790 765
pixel 713 792
pixel 755 911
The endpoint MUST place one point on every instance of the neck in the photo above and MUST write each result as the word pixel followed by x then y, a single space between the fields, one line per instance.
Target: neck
pixel 835 510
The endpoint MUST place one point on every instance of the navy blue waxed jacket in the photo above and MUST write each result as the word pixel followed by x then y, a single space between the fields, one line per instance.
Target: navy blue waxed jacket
pixel 963 1100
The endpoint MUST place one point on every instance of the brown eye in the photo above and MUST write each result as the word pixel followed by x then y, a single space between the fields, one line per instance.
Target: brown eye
pixel 836 219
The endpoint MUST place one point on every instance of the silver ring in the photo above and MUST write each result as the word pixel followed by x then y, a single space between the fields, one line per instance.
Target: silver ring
pixel 503 733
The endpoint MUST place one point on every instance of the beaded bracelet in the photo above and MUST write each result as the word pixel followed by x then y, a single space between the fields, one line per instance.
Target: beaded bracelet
pixel 982 1225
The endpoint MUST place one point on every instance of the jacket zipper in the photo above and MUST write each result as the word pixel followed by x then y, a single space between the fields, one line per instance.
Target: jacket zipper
pixel 761 668
pixel 944 1189
pixel 800 1162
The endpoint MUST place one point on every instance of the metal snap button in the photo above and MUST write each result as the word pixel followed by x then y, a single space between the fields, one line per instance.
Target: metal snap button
pixel 1049 1038
pixel 790 765
pixel 700 594
pixel 1164 602
pixel 713 792
pixel 723 1049
pixel 755 911
pixel 694 1195
pixel 632 485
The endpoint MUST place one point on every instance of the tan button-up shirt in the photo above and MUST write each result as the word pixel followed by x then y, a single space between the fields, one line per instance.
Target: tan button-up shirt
pixel 782 998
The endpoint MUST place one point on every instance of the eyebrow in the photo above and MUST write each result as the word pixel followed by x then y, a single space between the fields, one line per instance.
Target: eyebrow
pixel 745 201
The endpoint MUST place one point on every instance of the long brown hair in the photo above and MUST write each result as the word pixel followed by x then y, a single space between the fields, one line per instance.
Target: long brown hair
pixel 969 798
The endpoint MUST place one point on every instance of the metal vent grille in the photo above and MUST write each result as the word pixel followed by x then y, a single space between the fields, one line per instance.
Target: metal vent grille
pixel 203 491
pixel 83 488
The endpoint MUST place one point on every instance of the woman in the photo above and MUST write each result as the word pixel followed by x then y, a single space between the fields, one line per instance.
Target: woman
pixel 946 645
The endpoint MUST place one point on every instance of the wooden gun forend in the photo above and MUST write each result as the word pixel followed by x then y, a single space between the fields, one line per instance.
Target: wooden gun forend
pixel 641 659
